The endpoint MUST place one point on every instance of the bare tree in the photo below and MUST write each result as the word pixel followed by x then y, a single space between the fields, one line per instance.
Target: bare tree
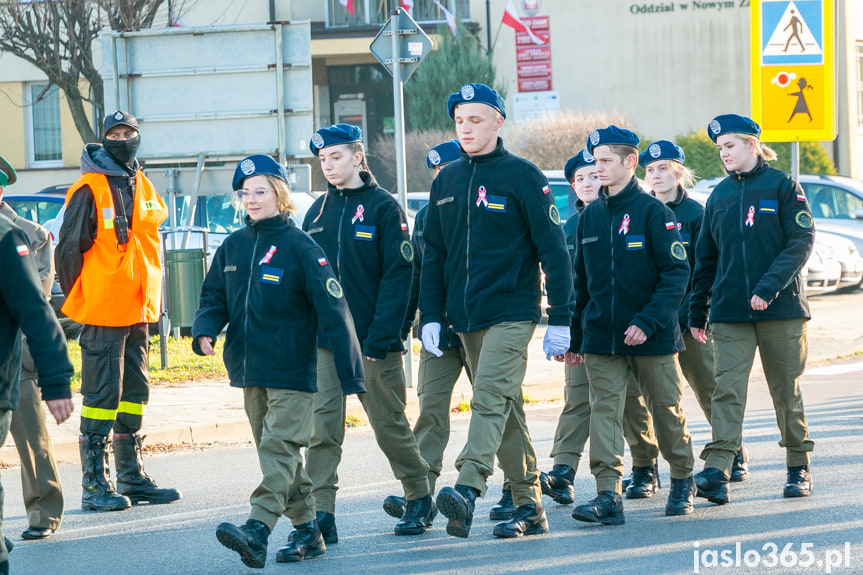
pixel 56 36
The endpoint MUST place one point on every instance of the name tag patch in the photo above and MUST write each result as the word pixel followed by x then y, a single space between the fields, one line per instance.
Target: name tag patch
pixel 634 242
pixel 366 233
pixel 316 230
pixel 589 240
pixel 271 275
pixel 230 269
pixel 443 201
pixel 768 206
pixel 496 204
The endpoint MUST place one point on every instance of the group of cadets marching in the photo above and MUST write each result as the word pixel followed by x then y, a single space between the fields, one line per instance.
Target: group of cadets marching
pixel 641 287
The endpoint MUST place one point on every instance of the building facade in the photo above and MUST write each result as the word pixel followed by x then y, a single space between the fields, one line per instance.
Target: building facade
pixel 668 66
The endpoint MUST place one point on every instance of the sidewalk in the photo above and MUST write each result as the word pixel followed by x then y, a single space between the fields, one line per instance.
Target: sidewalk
pixel 213 411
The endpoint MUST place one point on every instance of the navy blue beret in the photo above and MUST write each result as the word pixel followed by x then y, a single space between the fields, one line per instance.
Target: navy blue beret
pixel 443 154
pixel 578 161
pixel 256 165
pixel 475 93
pixel 611 136
pixel 732 124
pixel 335 135
pixel 661 150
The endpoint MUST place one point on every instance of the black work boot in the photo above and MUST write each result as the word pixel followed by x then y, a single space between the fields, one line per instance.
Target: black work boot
pixel 98 492
pixel 527 520
pixel 644 483
pixel 799 482
pixel 457 505
pixel 131 479
pixel 712 485
pixel 249 540
pixel 605 508
pixel 394 506
pixel 327 524
pixel 558 484
pixel 306 543
pixel 504 508
pixel 740 467
pixel 418 516
pixel 681 497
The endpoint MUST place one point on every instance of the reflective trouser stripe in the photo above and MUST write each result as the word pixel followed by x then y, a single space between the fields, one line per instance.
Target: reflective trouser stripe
pixel 98 413
pixel 131 408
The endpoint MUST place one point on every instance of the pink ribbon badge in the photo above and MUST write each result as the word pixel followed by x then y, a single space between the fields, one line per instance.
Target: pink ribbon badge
pixel 624 225
pixel 750 217
pixel 358 215
pixel 267 256
pixel 481 199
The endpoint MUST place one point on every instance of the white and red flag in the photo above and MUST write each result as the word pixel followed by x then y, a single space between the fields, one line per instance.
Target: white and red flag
pixel 512 20
pixel 349 6
pixel 450 18
pixel 407 4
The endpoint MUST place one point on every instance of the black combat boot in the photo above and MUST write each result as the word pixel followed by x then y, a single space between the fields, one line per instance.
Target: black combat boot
pixel 644 483
pixel 457 505
pixel 740 467
pixel 98 492
pixel 681 497
pixel 394 506
pixel 249 540
pixel 605 508
pixel 799 482
pixel 306 543
pixel 131 479
pixel 712 485
pixel 504 508
pixel 327 524
pixel 527 520
pixel 558 484
pixel 419 515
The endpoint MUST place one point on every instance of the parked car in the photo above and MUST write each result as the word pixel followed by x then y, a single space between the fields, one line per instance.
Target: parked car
pixel 40 208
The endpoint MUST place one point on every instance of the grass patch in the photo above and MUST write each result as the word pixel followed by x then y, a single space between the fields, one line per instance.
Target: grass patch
pixel 462 406
pixel 183 365
pixel 354 421
pixel 528 400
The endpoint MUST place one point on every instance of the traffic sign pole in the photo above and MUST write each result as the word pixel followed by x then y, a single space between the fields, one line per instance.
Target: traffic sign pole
pixel 399 105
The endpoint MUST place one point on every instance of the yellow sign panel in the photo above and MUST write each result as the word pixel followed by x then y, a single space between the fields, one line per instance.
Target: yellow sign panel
pixel 793 79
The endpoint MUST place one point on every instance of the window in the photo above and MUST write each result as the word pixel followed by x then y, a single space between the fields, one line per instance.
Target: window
pixel 860 85
pixel 833 202
pixel 376 12
pixel 43 111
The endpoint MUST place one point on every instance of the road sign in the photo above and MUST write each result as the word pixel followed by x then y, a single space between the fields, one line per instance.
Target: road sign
pixel 413 44
pixel 793 78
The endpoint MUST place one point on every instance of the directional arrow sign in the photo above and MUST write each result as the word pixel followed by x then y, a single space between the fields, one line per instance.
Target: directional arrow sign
pixel 413 44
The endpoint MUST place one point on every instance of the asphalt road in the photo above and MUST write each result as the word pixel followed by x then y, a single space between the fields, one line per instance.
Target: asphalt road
pixel 216 482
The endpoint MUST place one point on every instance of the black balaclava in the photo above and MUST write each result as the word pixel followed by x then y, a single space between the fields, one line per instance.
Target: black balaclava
pixel 123 151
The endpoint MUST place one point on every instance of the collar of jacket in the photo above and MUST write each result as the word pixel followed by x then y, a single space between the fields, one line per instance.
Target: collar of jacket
pixel 270 224
pixel 625 195
pixel 759 169
pixel 369 183
pixel 498 152
pixel 579 206
pixel 681 195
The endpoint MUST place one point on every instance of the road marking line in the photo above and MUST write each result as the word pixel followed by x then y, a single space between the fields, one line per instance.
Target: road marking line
pixel 835 369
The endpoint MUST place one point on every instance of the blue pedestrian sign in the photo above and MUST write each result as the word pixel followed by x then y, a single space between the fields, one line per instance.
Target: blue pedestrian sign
pixel 792 32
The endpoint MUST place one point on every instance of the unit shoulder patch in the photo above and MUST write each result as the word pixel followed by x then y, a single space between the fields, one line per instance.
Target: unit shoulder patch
pixel 334 288
pixel 678 252
pixel 803 219
pixel 554 214
pixel 407 251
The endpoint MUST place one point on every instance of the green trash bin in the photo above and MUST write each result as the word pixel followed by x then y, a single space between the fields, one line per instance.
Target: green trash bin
pixel 185 267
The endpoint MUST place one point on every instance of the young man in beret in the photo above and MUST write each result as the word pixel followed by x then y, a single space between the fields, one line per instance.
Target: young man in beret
pixel 109 267
pixel 43 496
pixel 573 426
pixel 630 277
pixel 491 221
pixel 24 308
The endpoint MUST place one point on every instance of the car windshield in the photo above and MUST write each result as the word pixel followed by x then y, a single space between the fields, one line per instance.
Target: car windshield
pixel 40 211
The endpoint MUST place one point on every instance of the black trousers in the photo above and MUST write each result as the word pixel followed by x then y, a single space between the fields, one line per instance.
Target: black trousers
pixel 114 378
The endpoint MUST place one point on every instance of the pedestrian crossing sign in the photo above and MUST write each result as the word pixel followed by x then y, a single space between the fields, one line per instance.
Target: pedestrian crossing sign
pixel 792 76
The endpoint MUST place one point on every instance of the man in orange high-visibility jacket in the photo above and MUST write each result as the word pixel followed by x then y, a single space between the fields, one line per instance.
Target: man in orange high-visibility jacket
pixel 108 264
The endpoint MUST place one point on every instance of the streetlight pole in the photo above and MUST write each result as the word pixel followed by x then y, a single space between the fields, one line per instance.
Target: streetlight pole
pixel 488 27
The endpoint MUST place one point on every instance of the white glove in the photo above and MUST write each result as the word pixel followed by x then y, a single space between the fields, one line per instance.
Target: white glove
pixel 556 341
pixel 431 338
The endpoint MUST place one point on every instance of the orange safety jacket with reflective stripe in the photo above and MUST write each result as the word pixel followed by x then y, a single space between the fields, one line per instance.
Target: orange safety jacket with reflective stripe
pixel 117 286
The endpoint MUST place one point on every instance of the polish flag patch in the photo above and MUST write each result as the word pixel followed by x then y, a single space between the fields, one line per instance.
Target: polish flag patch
pixel 404 227
pixel 23 250
pixel 801 198
pixel 322 261
pixel 669 225
pixel 545 189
